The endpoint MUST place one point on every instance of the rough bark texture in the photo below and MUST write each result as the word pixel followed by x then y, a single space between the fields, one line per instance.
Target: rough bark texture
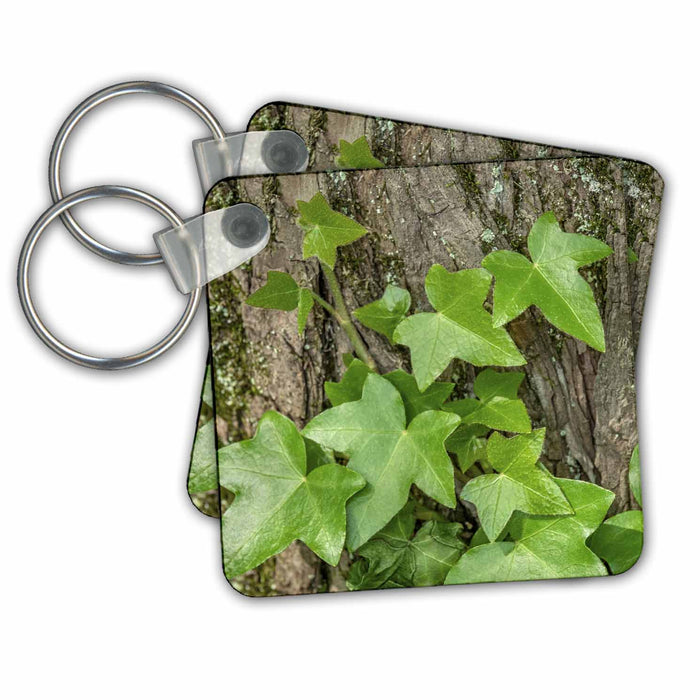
pixel 452 215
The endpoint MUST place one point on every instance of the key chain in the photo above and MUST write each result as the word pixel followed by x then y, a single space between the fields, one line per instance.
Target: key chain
pixel 194 250
pixel 450 402
pixel 62 207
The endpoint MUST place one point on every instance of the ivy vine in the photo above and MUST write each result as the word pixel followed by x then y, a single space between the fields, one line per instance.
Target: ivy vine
pixel 348 479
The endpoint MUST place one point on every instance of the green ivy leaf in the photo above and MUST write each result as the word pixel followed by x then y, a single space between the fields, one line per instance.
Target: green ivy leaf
pixel 386 313
pixel 635 479
pixel 479 538
pixel 382 554
pixel 416 401
pixel 325 229
pixel 497 408
pixel 375 570
pixel 388 454
pixel 306 303
pixel 394 558
pixel 278 500
pixel 203 474
pixel 469 444
pixel 429 556
pixel 317 456
pixel 542 547
pixel 349 388
pixel 520 484
pixel 279 292
pixel 357 155
pixel 490 384
pixel 497 405
pixel 282 292
pixel 461 328
pixel 619 540
pixel 551 281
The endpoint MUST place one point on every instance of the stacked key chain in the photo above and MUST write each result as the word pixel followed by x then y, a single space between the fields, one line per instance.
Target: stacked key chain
pixel 422 347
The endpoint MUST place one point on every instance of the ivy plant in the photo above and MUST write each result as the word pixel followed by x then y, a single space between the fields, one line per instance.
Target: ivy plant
pixel 387 471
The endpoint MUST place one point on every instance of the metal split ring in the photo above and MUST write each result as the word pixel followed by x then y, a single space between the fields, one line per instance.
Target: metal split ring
pixel 61 208
pixel 100 97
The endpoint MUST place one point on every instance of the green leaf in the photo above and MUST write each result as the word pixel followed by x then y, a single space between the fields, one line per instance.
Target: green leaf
pixel 416 401
pixel 490 383
pixel 389 455
pixel 380 561
pixel 306 303
pixel 279 292
pixel 283 293
pixel 469 445
pixel 635 478
pixel 278 500
pixel 496 405
pixel 382 554
pixel 434 550
pixel 619 540
pixel 394 558
pixel 203 474
pixel 632 257
pixel 349 388
pixel 461 328
pixel 316 456
pixel 542 547
pixel 478 538
pixel 551 281
pixel 385 314
pixel 357 155
pixel 325 229
pixel 520 484
pixel 497 408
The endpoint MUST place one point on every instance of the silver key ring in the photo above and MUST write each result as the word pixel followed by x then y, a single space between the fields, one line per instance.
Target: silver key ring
pixel 25 258
pixel 100 97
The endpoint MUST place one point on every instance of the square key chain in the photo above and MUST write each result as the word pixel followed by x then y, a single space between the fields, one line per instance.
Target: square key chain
pixel 475 390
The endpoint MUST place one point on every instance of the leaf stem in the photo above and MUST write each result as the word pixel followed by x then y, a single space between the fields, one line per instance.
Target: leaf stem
pixel 328 307
pixel 424 512
pixel 462 478
pixel 343 317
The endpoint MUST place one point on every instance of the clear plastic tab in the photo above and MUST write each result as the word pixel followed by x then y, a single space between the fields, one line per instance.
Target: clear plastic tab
pixel 249 153
pixel 210 245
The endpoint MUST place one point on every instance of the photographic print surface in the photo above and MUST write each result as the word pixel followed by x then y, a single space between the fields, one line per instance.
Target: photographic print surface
pixel 428 376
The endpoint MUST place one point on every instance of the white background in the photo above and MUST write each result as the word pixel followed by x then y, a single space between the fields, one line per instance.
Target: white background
pixel 111 582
